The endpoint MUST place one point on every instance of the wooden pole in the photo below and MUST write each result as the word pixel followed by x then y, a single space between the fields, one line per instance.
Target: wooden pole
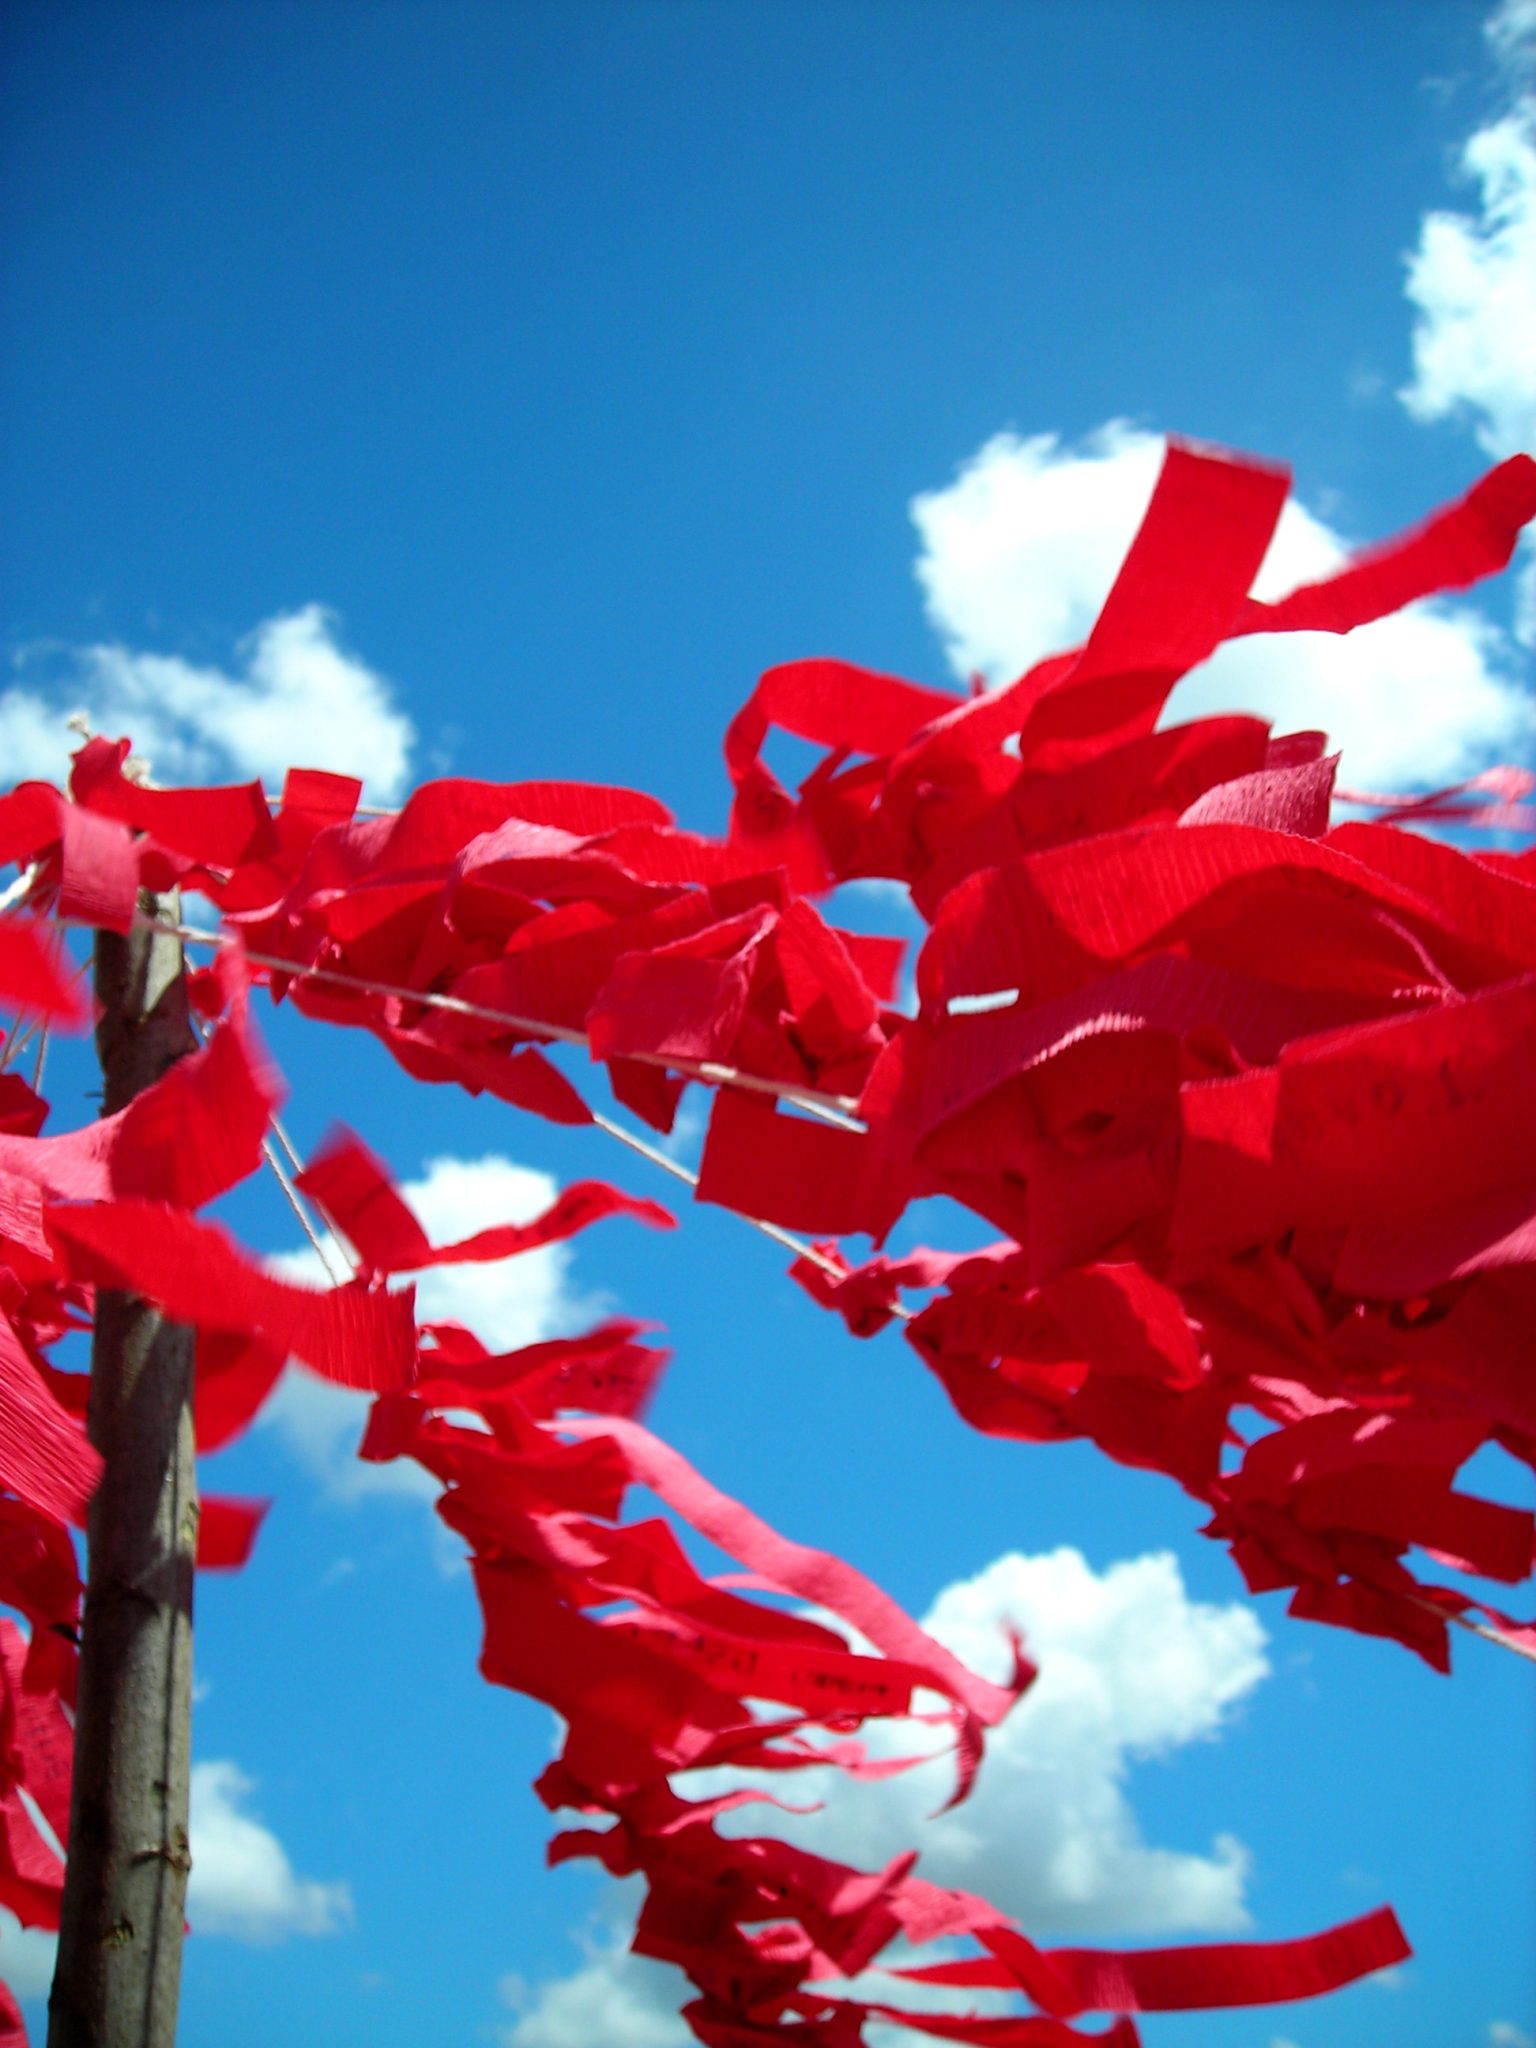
pixel 118 1975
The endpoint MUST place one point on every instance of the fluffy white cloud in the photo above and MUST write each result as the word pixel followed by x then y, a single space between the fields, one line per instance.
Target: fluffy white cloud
pixel 615 2000
pixel 1471 279
pixel 507 1303
pixel 1131 1668
pixel 1505 2034
pixel 512 1301
pixel 1511 31
pixel 321 1425
pixel 1019 552
pixel 242 1883
pixel 1472 276
pixel 298 697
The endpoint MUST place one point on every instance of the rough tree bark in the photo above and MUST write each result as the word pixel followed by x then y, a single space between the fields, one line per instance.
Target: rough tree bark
pixel 118 1975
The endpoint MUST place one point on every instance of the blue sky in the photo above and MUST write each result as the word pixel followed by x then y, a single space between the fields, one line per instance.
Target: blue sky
pixel 500 388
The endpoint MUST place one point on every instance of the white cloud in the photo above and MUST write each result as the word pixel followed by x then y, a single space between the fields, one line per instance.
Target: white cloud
pixel 1511 33
pixel 1130 1667
pixel 1471 279
pixel 1505 2034
pixel 298 698
pixel 322 1425
pixel 1019 552
pixel 1472 282
pixel 506 1303
pixel 242 1883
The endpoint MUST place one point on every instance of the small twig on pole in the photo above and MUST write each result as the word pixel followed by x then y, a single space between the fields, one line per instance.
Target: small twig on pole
pixel 118 1975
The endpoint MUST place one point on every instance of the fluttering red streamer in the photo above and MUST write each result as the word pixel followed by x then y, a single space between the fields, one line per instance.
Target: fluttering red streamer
pixel 30 980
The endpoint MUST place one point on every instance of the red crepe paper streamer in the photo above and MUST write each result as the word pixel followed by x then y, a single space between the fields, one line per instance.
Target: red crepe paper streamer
pixel 30 979
pixel 227 1530
pixel 193 1271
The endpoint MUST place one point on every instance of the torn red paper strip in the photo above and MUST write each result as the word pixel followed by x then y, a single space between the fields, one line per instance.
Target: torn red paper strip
pixel 831 1684
pixel 441 817
pixel 603 1371
pixel 684 999
pixel 31 1874
pixel 575 1208
pixel 226 1531
pixel 215 828
pixel 633 1712
pixel 1421 1253
pixel 190 1136
pixel 832 703
pixel 199 1129
pixel 353 1186
pixel 44 1454
pixel 812 1575
pixel 235 1373
pixel 1066 1982
pixel 1507 785
pixel 1052 922
pixel 526 1079
pixel 30 979
pixel 192 1270
pixel 1339 1132
pixel 1201 541
pixel 1294 799
pixel 1467 540
pixel 98 870
pixel 40 1736
pixel 801 1175
pixel 13 2032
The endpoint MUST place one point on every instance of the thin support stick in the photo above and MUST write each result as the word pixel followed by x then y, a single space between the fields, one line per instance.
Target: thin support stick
pixel 1476 1628
pixel 318 1246
pixel 344 1251
pixel 117 1979
pixel 292 1196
